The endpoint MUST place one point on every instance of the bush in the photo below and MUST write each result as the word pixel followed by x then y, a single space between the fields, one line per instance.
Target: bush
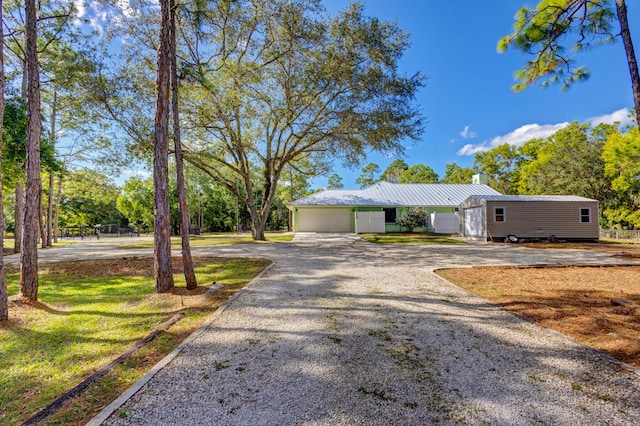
pixel 415 218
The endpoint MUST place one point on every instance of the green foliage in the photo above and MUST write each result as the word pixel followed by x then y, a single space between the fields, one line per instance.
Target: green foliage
pixel 136 202
pixel 621 154
pixel 501 164
pixel 14 136
pixel 415 217
pixel 88 198
pixel 368 176
pixel 419 174
pixel 455 174
pixel 558 164
pixel 285 83
pixel 393 173
pixel 335 182
pixel 598 162
pixel 544 31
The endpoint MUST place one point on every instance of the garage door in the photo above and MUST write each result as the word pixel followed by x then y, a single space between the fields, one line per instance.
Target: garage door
pixel 473 222
pixel 324 220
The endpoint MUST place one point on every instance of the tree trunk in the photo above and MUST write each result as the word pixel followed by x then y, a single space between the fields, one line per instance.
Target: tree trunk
pixel 162 233
pixel 4 296
pixel 49 226
pixel 52 137
pixel 29 253
pixel 621 9
pixel 185 217
pixel 19 216
pixel 41 221
pixel 57 213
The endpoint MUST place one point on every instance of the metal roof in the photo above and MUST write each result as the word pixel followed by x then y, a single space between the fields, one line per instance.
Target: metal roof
pixel 383 194
pixel 532 198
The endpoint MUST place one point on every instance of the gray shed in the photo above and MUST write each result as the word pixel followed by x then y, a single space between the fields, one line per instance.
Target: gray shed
pixel 537 217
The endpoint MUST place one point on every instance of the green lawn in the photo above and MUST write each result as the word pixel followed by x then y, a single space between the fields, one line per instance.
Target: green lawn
pixel 84 319
pixel 214 240
pixel 416 238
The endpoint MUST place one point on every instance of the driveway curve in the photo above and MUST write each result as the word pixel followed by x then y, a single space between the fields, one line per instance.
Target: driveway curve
pixel 347 333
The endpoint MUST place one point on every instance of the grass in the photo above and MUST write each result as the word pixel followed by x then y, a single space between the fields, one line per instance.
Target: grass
pixel 214 240
pixel 415 238
pixel 88 313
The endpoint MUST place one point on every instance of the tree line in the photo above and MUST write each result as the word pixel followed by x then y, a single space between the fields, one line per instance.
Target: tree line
pixel 254 95
pixel 601 162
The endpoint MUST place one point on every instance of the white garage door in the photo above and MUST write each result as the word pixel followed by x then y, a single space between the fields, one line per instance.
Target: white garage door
pixel 473 222
pixel 324 220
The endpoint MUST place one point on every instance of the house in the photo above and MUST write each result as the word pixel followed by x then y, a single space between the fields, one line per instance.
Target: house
pixel 536 217
pixel 375 208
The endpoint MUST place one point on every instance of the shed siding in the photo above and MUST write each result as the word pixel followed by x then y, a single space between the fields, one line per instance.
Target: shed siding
pixel 541 219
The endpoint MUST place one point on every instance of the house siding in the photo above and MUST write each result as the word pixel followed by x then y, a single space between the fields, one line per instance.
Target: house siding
pixel 540 219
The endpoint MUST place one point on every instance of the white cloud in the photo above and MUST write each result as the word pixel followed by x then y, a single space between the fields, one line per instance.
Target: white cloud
pixel 467 133
pixel 81 7
pixel 621 116
pixel 518 137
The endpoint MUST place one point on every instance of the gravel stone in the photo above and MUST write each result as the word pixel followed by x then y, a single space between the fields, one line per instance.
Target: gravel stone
pixel 343 332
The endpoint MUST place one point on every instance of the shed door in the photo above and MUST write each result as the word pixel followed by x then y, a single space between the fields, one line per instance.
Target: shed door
pixel 324 220
pixel 473 222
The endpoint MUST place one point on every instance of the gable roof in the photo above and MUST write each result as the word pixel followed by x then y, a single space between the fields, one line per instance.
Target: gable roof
pixel 386 194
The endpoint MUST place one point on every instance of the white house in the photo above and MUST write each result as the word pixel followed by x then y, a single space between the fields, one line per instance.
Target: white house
pixel 375 208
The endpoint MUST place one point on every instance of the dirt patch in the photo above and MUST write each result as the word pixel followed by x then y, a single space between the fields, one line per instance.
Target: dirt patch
pixel 617 249
pixel 576 301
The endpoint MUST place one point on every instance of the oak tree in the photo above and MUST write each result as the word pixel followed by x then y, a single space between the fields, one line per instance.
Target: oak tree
pixel 277 82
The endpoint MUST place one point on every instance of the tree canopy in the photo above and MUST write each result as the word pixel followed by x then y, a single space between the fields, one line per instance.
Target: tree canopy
pixel 274 83
pixel 555 30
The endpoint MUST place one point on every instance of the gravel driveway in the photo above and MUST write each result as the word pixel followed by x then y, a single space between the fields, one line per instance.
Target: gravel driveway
pixel 347 332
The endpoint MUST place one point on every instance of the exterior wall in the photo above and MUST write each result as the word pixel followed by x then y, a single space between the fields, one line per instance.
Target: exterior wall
pixel 389 226
pixel 297 211
pixel 541 219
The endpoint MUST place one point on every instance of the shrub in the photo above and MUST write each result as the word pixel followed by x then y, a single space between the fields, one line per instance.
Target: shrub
pixel 415 218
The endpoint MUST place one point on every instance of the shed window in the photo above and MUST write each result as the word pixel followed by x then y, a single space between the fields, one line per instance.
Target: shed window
pixel 499 214
pixel 390 214
pixel 585 215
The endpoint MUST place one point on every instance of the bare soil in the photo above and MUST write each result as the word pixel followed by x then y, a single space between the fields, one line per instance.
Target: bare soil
pixel 598 306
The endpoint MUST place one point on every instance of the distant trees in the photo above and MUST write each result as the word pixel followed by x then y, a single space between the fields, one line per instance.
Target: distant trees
pixel 541 32
pixel 88 198
pixel 393 173
pixel 419 174
pixel 621 154
pixel 595 162
pixel 335 182
pixel 397 172
pixel 456 174
pixel 368 175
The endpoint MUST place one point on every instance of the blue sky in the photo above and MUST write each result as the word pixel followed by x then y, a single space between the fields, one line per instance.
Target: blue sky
pixel 468 101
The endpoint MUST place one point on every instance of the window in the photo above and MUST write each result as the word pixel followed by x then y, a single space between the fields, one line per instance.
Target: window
pixel 499 214
pixel 390 214
pixel 585 215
